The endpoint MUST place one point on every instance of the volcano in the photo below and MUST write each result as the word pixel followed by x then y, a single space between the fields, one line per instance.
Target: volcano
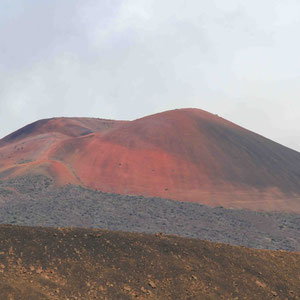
pixel 185 154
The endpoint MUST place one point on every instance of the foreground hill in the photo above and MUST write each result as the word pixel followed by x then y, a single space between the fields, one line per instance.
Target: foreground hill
pixel 187 155
pixel 35 201
pixel 44 263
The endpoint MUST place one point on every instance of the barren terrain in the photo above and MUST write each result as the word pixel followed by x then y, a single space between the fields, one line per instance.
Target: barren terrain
pixel 45 263
pixel 36 201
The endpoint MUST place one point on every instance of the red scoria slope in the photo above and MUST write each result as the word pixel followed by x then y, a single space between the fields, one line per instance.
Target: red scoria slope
pixel 186 154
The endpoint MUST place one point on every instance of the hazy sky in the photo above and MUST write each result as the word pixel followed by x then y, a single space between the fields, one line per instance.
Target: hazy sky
pixel 126 59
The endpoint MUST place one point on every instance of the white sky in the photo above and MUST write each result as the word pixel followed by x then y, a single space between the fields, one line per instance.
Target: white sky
pixel 126 59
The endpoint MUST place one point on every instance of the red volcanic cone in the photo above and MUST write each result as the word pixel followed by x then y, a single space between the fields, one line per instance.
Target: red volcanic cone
pixel 186 154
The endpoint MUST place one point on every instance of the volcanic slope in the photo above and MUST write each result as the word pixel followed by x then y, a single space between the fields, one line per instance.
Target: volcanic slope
pixel 27 150
pixel 186 155
pixel 44 263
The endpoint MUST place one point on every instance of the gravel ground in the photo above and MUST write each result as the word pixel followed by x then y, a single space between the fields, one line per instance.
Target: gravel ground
pixel 35 201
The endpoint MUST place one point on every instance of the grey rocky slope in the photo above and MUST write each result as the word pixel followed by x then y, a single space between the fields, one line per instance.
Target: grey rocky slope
pixel 35 201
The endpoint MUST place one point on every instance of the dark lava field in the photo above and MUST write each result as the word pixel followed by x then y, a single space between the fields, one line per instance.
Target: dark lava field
pixel 36 201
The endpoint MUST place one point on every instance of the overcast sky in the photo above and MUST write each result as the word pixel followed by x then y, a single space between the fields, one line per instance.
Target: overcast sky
pixel 127 59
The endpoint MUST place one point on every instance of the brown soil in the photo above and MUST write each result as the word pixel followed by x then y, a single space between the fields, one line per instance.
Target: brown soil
pixel 44 263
